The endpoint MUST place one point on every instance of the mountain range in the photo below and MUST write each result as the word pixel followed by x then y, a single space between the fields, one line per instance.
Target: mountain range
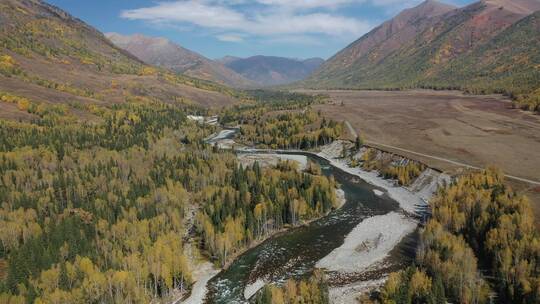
pixel 256 71
pixel 271 70
pixel 164 53
pixel 488 46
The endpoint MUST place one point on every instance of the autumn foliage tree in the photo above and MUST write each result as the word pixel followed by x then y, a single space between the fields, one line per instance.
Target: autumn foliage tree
pixel 478 216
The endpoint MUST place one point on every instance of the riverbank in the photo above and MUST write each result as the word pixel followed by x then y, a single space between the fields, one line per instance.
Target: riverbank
pixel 411 200
pixel 200 289
pixel 271 159
pixel 368 244
pixel 202 274
pixel 206 271
pixel 349 293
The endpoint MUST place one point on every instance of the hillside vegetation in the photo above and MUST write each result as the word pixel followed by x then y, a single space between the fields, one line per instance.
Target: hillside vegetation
pixel 48 55
pixel 166 54
pixel 486 47
pixel 481 238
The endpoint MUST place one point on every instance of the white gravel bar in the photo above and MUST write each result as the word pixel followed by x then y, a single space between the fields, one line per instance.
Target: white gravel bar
pixel 368 243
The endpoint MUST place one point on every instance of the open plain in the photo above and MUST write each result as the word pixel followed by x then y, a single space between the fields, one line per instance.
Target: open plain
pixel 445 129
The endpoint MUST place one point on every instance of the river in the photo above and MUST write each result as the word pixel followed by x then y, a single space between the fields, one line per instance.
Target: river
pixel 294 253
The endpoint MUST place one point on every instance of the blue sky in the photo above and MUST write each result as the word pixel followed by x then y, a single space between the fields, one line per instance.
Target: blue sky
pixel 215 28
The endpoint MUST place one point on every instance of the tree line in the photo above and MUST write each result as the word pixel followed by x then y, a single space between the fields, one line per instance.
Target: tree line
pixel 286 129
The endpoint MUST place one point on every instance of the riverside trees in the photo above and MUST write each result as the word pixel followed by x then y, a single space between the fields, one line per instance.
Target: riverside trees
pixel 292 130
pixel 384 163
pixel 477 216
pixel 99 212
pixel 282 120
pixel 259 202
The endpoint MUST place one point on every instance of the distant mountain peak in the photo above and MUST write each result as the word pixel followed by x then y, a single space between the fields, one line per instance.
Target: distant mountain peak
pixel 272 70
pixel 162 52
pixel 427 9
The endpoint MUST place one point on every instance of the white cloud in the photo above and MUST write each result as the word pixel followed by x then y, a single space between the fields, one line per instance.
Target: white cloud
pixel 324 4
pixel 194 12
pixel 303 40
pixel 216 15
pixel 305 4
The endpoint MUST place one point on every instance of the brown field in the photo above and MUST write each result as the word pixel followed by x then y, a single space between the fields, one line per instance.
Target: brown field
pixel 474 130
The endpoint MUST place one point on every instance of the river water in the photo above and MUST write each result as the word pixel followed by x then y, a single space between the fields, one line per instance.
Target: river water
pixel 293 254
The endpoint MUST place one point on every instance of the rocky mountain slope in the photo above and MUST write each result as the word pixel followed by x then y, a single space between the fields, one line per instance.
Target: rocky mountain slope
pixel 48 56
pixel 487 46
pixel 270 70
pixel 164 53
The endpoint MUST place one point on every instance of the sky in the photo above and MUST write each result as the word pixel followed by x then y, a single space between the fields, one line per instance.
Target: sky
pixel 243 28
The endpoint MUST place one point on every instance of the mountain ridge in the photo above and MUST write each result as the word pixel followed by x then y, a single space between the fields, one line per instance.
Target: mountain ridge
pixel 272 70
pixel 389 29
pixel 49 56
pixel 420 54
pixel 164 53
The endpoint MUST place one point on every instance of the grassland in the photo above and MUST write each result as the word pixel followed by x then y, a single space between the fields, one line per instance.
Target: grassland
pixel 475 130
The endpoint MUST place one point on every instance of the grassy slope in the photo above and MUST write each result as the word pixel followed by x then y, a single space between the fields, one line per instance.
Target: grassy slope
pixel 438 57
pixel 510 61
pixel 55 58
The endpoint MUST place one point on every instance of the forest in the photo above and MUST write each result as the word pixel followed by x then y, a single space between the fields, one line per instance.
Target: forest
pixel 281 120
pixel 258 102
pixel 480 245
pixel 290 130
pixel 259 202
pixel 105 210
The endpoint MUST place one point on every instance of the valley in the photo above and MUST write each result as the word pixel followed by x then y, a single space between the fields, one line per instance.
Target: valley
pixel 296 253
pixel 203 152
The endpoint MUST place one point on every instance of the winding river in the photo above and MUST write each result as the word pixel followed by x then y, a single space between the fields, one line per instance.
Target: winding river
pixel 294 253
